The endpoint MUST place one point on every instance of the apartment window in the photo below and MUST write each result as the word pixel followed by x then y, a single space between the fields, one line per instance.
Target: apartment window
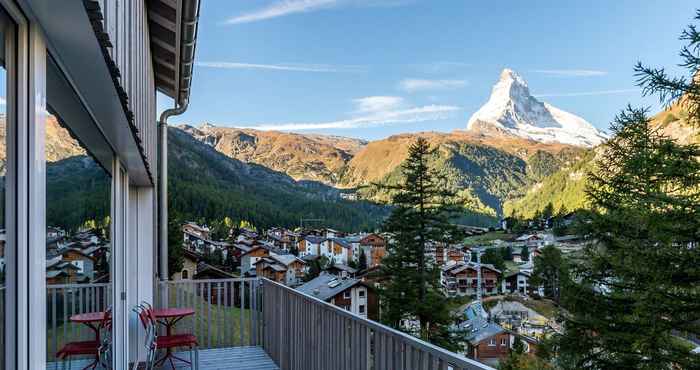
pixel 492 342
pixel 361 293
pixel 185 274
pixel 346 294
pixel 503 342
pixel 362 309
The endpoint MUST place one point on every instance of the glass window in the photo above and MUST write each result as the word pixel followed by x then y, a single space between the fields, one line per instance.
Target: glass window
pixel 362 309
pixel 346 294
pixel 7 28
pixel 78 247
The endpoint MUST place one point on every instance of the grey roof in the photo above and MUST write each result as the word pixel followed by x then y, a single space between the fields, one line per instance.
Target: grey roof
pixel 461 266
pixel 481 333
pixel 55 273
pixel 517 272
pixel 285 259
pixel 319 287
pixel 314 239
pixel 343 243
pixel 342 267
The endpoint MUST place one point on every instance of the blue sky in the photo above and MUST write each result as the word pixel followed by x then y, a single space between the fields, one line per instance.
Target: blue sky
pixel 373 68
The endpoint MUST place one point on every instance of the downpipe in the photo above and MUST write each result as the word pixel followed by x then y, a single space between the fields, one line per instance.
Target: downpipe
pixel 163 196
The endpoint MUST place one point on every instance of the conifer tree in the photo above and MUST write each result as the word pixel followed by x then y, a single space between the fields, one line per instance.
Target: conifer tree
pixel 362 261
pixel 638 284
pixel 421 217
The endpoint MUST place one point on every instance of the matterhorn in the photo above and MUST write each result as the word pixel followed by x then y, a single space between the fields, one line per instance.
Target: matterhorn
pixel 512 110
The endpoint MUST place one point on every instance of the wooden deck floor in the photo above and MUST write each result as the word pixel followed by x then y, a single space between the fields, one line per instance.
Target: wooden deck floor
pixel 236 358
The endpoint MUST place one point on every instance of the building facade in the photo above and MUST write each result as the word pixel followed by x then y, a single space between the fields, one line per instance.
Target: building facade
pixel 94 66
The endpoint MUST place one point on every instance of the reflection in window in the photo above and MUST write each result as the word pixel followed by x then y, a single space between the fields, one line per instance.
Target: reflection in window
pixel 6 43
pixel 77 244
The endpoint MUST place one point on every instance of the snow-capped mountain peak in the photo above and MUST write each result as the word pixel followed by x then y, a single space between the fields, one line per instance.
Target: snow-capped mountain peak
pixel 512 109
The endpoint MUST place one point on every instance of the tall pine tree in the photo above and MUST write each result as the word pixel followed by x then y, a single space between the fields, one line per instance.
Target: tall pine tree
pixel 639 284
pixel 422 216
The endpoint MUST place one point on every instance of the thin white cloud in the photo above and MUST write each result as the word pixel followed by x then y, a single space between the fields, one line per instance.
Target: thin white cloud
pixel 571 72
pixel 378 103
pixel 2 100
pixel 323 68
pixel 280 9
pixel 415 84
pixel 382 118
pixel 588 93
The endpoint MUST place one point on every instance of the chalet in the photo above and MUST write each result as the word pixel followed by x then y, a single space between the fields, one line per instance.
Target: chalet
pixel 520 319
pixel 337 250
pixel 518 256
pixel 59 271
pixel 448 255
pixel 282 238
pixel 285 269
pixel 530 240
pixel 374 246
pixel 487 342
pixel 342 271
pixel 83 260
pixel 350 294
pixel 196 238
pixel 249 258
pixel 190 260
pixel 195 230
pixel 461 279
pixel 310 244
pixel 221 293
pixel 516 282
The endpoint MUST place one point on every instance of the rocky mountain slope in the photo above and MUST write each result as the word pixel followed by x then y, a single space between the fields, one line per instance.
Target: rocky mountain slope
pixel 303 157
pixel 511 109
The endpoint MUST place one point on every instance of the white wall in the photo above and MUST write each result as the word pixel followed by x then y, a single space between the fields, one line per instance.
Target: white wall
pixel 141 258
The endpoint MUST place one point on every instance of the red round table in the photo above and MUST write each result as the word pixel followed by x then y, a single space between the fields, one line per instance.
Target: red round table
pixel 91 320
pixel 169 317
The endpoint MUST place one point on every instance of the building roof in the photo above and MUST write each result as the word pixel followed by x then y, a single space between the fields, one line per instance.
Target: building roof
pixel 313 239
pixel 326 286
pixel 173 44
pixel 286 259
pixel 517 272
pixel 205 269
pixel 342 242
pixel 345 268
pixel 478 335
pixel 55 273
pixel 462 266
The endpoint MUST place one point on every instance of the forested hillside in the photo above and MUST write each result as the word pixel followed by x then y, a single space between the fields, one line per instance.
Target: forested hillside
pixel 205 184
pixel 566 187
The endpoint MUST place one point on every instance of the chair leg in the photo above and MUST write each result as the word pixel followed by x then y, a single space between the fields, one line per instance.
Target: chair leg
pixel 196 356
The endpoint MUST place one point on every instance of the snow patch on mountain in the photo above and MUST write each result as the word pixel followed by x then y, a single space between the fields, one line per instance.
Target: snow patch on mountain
pixel 512 109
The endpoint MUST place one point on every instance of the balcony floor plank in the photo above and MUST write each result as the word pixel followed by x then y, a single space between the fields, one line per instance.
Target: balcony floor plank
pixel 235 358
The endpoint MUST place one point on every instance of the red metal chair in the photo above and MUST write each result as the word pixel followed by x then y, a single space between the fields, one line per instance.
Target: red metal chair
pixel 82 348
pixel 154 342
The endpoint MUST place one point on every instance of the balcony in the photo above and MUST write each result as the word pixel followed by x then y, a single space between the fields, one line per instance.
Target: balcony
pixel 257 323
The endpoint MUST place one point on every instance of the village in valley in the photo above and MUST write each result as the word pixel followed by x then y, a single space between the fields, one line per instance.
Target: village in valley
pixel 495 304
